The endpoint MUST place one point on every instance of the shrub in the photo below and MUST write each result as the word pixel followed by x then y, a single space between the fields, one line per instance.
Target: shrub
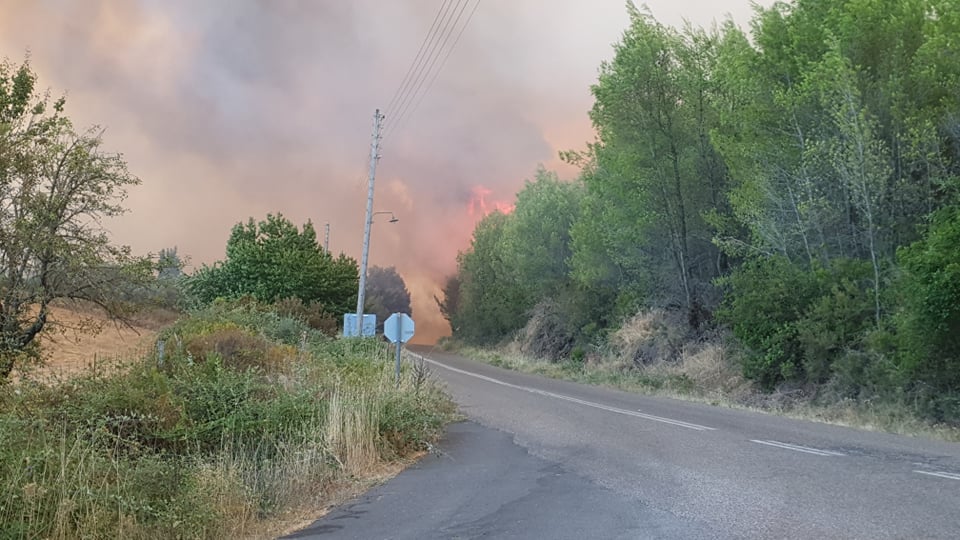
pixel 765 299
pixel 929 324
pixel 211 442
pixel 836 323
pixel 313 314
pixel 796 323
pixel 410 420
pixel 651 337
pixel 239 349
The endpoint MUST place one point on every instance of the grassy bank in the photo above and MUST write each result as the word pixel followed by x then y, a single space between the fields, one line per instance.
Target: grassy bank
pixel 249 421
pixel 708 373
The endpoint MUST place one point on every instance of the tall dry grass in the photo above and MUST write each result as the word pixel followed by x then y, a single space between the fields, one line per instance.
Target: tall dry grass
pixel 652 353
pixel 352 430
pixel 153 451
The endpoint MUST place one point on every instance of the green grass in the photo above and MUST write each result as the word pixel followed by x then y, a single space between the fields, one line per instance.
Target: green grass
pixel 249 416
pixel 711 379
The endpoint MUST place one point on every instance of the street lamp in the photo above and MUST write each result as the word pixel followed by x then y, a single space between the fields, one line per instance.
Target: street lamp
pixel 363 267
pixel 393 218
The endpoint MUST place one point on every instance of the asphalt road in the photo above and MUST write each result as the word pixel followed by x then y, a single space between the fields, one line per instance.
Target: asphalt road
pixel 542 458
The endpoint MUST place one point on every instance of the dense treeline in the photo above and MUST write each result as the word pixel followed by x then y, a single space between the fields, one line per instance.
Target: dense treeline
pixel 796 187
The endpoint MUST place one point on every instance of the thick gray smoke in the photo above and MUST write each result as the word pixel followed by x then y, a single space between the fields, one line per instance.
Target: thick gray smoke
pixel 236 108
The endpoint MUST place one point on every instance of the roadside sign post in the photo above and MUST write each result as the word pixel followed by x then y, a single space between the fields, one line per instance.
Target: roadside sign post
pixel 398 328
pixel 396 365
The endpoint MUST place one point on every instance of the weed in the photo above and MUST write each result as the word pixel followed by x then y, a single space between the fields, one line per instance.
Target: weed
pixel 708 372
pixel 235 429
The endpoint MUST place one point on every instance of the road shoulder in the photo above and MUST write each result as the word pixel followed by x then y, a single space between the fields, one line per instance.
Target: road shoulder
pixel 482 484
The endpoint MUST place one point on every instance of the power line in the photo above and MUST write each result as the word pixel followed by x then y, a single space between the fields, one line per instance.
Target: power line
pixel 440 69
pixel 445 16
pixel 433 56
pixel 416 60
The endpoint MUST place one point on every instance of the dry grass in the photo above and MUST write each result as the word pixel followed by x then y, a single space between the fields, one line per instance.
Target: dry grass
pixel 99 345
pixel 713 375
pixel 335 457
pixel 352 431
pixel 332 424
pixel 650 354
pixel 301 481
pixel 637 330
pixel 651 337
pixel 335 494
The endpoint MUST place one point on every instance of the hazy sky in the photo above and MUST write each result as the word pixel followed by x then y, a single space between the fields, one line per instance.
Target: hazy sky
pixel 236 108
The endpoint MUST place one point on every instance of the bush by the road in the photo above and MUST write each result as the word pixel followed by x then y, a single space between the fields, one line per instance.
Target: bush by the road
pixel 248 415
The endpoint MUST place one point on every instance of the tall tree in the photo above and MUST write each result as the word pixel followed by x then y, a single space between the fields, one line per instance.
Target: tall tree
pixel 655 174
pixel 875 57
pixel 56 188
pixel 450 304
pixel 491 305
pixel 536 237
pixel 839 145
pixel 169 264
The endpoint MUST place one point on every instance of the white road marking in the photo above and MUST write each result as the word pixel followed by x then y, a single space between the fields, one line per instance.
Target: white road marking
pixel 571 399
pixel 950 476
pixel 798 448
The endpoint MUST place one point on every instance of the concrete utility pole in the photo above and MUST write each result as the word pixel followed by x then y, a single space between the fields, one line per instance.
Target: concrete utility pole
pixel 374 157
pixel 326 238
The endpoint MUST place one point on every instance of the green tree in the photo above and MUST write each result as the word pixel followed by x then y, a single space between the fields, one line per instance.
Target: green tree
pixel 56 188
pixel 514 262
pixel 536 238
pixel 835 147
pixel 386 294
pixel 273 260
pixel 653 174
pixel 491 305
pixel 836 152
pixel 169 264
pixel 450 304
pixel 929 324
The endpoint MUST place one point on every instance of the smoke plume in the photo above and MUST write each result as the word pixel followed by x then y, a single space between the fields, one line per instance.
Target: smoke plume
pixel 236 108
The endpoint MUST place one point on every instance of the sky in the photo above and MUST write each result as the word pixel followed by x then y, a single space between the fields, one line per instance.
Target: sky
pixel 230 109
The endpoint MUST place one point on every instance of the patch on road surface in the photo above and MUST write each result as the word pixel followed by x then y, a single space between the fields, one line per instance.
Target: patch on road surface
pixel 492 488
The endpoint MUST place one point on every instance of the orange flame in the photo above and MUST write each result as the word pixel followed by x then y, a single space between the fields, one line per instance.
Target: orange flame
pixel 480 206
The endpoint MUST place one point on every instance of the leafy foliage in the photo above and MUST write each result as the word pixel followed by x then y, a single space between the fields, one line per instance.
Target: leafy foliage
pixel 491 305
pixel 930 322
pixel 797 323
pixel 231 428
pixel 57 185
pixel 386 294
pixel 775 185
pixel 765 301
pixel 653 173
pixel 273 260
pixel 515 260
